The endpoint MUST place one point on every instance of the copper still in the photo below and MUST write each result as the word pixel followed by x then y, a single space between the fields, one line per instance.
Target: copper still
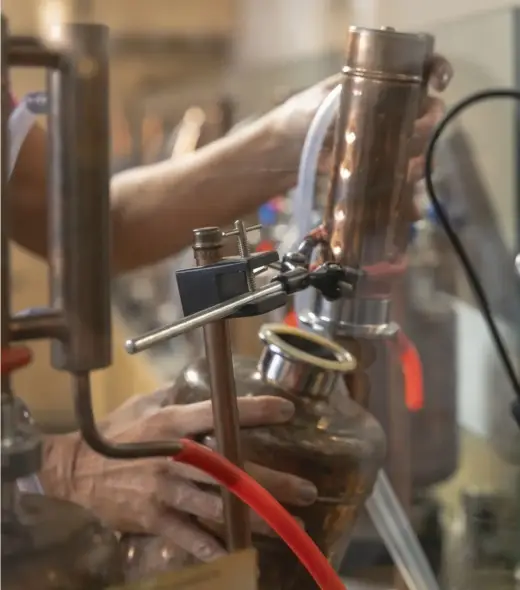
pixel 368 213
pixel 333 440
pixel 50 544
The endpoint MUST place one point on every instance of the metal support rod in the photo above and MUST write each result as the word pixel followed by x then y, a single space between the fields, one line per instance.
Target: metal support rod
pixel 35 324
pixel 244 251
pixel 207 250
pixel 198 320
pixel 82 393
pixel 30 53
pixel 80 208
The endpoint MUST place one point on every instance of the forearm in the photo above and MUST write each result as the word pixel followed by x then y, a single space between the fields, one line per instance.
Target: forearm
pixel 155 208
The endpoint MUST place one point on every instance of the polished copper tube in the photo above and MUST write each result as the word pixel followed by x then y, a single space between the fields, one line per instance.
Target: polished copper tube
pixel 380 100
pixel 79 182
pixel 369 201
pixel 207 249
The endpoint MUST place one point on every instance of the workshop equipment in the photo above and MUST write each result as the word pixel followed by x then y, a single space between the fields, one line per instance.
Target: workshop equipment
pixel 362 251
pixel 49 544
pixel 55 545
pixel 331 441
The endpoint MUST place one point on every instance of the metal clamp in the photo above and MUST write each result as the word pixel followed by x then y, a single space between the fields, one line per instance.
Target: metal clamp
pixel 244 250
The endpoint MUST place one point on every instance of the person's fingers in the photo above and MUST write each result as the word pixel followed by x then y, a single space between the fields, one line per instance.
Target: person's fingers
pixel 197 418
pixel 138 407
pixel 331 82
pixel 189 537
pixel 181 495
pixel 174 469
pixel 178 494
pixel 440 73
pixel 285 487
pixel 423 127
pixel 416 169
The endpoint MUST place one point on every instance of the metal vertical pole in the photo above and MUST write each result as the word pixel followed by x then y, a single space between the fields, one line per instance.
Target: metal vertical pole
pixel 207 249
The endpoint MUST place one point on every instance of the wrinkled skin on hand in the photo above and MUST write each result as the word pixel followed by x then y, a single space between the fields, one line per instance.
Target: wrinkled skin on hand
pixel 157 496
pixel 294 116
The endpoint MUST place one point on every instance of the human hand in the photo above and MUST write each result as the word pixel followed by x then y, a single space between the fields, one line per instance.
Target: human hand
pixel 291 120
pixel 431 113
pixel 158 496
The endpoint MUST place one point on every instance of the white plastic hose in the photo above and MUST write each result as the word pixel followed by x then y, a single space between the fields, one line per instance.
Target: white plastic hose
pixel 304 194
pixel 393 526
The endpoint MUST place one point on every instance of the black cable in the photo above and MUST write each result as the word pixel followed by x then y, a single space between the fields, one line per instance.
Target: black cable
pixel 471 274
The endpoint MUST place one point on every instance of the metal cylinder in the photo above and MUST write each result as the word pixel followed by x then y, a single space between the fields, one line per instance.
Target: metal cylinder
pixel 80 249
pixel 301 362
pixel 366 213
pixel 207 248
pixel 380 100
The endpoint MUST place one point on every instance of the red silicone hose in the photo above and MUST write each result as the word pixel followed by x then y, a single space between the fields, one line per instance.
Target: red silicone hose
pixel 15 357
pixel 254 495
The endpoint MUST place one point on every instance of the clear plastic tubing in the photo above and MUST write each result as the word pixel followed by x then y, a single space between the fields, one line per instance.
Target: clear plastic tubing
pixel 385 509
pixel 304 193
pixel 307 172
pixel 400 539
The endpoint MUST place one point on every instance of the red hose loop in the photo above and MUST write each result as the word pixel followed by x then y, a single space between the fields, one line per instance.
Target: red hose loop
pixel 412 370
pixel 15 357
pixel 254 495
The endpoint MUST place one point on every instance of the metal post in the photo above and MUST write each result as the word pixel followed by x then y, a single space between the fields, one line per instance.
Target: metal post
pixel 80 229
pixel 207 249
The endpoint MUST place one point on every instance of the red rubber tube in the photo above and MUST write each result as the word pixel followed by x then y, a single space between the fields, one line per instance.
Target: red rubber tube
pixel 411 367
pixel 254 495
pixel 15 357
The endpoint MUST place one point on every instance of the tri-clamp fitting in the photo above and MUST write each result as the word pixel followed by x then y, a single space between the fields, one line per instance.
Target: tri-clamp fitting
pixel 224 289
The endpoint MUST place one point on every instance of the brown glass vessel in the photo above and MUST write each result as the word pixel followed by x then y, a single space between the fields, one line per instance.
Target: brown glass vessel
pixel 331 440
pixel 56 545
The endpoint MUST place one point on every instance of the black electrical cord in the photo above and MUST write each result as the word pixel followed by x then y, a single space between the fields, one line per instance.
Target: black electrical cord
pixel 471 274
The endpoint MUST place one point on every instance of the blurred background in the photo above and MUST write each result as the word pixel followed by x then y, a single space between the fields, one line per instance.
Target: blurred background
pixel 185 73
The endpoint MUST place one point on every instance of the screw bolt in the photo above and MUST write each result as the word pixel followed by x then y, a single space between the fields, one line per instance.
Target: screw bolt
pixel 244 251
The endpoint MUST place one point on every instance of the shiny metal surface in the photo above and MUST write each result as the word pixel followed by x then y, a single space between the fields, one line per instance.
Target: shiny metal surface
pixel 380 100
pixel 296 361
pixel 79 185
pixel 244 251
pixel 363 317
pixel 207 249
pixel 34 324
pixel 368 206
pixel 198 320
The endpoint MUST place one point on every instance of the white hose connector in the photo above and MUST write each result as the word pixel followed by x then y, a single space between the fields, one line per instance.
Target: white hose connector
pixel 303 203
